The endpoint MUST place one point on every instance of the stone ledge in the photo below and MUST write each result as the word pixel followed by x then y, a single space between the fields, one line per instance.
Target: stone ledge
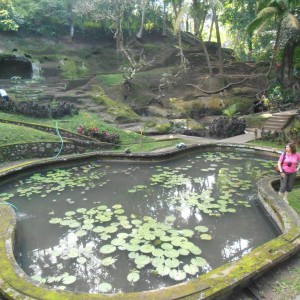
pixel 15 284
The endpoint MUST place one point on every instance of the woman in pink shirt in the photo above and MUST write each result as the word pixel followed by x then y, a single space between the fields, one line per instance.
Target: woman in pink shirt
pixel 288 165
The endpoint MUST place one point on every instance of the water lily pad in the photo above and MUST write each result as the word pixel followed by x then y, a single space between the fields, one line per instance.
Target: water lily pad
pixel 172 262
pixel 74 224
pixel 166 246
pixel 183 252
pixel 104 287
pixel 73 253
pixel 107 249
pixel 55 220
pixel 163 270
pixel 99 229
pixel 81 260
pixel 133 247
pixel 201 228
pixel 191 269
pixel 157 252
pixel 117 206
pixel 177 275
pixel 69 279
pixel 108 261
pixel 70 213
pixel 205 236
pixel 146 248
pixel 187 232
pixel 198 261
pixel 133 277
pixel 142 260
pixel 81 233
pixel 172 253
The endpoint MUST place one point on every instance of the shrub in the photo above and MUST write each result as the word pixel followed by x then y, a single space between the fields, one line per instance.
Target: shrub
pixel 225 127
pixel 102 136
pixel 38 110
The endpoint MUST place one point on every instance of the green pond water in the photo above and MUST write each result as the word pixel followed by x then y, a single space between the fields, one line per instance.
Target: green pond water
pixel 110 227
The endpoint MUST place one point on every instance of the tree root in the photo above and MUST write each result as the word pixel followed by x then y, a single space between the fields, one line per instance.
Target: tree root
pixel 220 90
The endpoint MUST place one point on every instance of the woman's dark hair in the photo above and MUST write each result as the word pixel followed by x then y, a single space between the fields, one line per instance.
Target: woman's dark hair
pixel 292 147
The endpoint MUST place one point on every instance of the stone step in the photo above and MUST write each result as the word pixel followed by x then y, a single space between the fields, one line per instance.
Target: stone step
pixel 272 128
pixel 275 123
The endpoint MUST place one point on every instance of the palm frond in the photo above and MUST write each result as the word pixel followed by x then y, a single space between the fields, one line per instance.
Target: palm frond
pixel 255 24
pixel 264 16
pixel 291 21
pixel 267 13
pixel 182 12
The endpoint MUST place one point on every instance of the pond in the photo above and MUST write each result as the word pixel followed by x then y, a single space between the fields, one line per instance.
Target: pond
pixel 111 227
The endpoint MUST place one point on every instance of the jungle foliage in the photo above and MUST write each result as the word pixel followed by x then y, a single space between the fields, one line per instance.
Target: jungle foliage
pixel 256 30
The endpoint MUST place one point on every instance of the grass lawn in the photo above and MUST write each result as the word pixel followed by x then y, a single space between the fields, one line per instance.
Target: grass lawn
pixel 273 145
pixel 12 134
pixel 294 198
pixel 71 123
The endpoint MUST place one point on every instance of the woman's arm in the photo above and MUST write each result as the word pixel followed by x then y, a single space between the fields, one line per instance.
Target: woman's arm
pixel 279 164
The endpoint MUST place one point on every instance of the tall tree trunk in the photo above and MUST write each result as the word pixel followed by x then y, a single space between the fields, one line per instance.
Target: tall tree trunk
pixel 211 26
pixel 250 47
pixel 220 56
pixel 287 64
pixel 180 48
pixel 206 55
pixel 164 33
pixel 70 19
pixel 196 20
pixel 140 33
pixel 119 35
pixel 187 24
pixel 276 48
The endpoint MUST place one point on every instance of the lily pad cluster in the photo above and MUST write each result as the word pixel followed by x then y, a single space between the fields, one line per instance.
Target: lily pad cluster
pixel 160 247
pixel 58 180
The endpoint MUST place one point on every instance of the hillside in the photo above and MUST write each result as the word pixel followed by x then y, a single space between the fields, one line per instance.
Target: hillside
pixel 91 74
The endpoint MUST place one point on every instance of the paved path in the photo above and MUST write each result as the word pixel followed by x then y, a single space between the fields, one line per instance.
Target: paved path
pixel 193 140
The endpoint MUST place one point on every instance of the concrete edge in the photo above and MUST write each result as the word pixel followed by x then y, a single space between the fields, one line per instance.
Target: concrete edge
pixel 15 284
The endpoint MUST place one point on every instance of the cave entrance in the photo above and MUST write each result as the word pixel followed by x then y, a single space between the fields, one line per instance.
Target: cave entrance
pixel 11 66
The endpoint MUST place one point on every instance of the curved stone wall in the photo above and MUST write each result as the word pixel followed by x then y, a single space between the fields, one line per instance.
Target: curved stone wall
pixel 15 284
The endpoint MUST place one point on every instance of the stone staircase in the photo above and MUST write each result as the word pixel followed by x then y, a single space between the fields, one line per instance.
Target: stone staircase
pixel 279 120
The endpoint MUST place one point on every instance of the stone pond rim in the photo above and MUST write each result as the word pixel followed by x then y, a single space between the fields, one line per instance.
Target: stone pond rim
pixel 15 284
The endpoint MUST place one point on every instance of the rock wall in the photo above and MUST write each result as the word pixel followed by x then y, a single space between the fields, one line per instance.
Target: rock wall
pixel 35 150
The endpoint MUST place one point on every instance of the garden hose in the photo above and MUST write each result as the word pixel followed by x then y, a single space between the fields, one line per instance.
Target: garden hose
pixel 62 141
pixel 3 203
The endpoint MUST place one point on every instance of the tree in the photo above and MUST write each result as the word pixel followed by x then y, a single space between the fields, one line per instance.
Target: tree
pixel 110 11
pixel 143 7
pixel 7 14
pixel 283 12
pixel 196 13
pixel 235 15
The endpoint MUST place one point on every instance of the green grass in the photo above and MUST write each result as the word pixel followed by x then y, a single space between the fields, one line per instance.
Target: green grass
pixel 268 144
pixel 111 79
pixel 12 134
pixel 71 123
pixel 294 197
